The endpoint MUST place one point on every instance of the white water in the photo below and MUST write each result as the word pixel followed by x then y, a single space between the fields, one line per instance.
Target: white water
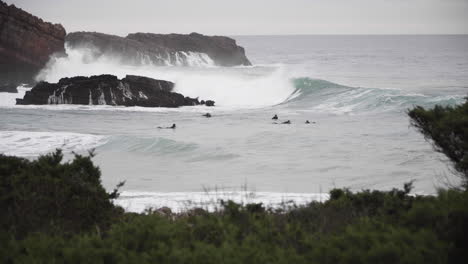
pixel 242 87
pixel 9 99
pixel 211 200
pixel 32 144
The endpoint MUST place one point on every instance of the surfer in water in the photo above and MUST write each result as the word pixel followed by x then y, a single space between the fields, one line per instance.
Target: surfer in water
pixel 207 115
pixel 171 127
pixel 275 117
pixel 286 122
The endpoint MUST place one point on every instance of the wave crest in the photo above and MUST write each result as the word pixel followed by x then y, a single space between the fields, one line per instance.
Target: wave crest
pixel 323 96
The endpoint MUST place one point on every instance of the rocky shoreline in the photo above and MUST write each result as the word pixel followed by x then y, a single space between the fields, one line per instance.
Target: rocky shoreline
pixel 109 90
pixel 27 43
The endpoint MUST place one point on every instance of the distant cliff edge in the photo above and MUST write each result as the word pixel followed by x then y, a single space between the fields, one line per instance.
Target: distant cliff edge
pixel 163 49
pixel 27 43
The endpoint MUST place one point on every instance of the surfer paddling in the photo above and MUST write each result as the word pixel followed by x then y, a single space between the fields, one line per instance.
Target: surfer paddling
pixel 171 127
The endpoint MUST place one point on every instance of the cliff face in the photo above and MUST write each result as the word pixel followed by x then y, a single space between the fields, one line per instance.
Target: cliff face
pixel 175 49
pixel 26 43
pixel 223 50
pixel 108 90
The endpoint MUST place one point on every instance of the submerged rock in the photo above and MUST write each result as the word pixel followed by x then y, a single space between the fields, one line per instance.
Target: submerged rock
pixel 159 49
pixel 107 90
pixel 26 43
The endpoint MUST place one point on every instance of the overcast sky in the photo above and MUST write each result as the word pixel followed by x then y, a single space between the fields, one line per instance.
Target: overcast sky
pixel 255 17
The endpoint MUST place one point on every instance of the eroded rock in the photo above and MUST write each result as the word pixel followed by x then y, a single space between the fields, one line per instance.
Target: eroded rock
pixel 108 90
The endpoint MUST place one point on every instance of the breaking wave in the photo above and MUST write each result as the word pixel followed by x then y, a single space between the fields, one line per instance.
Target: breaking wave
pixel 323 96
pixel 239 87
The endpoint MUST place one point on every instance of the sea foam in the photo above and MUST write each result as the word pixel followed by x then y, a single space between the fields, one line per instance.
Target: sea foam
pixel 32 144
pixel 235 87
pixel 211 200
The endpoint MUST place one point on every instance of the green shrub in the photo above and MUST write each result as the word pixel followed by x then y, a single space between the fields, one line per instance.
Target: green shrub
pixel 46 195
pixel 447 127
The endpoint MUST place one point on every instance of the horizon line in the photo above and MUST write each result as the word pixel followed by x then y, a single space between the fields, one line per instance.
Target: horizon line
pixel 333 34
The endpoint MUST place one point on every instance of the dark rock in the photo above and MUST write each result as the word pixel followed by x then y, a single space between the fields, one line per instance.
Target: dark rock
pixel 8 88
pixel 26 43
pixel 161 49
pixel 209 103
pixel 107 90
pixel 191 101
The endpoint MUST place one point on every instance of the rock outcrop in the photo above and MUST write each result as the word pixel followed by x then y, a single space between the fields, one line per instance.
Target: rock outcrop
pixel 107 90
pixel 26 43
pixel 159 49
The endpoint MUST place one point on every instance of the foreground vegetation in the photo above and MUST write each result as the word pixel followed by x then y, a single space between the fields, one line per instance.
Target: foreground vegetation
pixel 58 212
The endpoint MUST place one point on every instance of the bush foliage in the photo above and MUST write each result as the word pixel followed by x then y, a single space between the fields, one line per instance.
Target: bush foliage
pixel 46 195
pixel 365 227
pixel 58 212
pixel 447 127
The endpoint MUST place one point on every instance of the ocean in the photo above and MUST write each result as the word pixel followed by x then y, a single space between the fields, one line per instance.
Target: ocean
pixel 354 90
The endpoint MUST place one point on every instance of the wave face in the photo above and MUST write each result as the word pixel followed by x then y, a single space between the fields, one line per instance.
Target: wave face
pixel 32 144
pixel 323 96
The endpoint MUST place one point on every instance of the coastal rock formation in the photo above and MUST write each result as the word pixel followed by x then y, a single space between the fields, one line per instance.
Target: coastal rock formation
pixel 26 43
pixel 172 49
pixel 107 90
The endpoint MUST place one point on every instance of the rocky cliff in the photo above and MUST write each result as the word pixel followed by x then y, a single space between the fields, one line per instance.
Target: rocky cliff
pixel 26 43
pixel 108 90
pixel 174 49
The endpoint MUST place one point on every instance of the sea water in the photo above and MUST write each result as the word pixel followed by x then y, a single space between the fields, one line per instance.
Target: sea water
pixel 354 90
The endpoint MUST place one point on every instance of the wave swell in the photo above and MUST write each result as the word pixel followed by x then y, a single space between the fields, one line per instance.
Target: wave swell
pixel 241 87
pixel 323 96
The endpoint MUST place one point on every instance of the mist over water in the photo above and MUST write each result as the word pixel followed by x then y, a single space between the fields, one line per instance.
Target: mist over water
pixel 355 88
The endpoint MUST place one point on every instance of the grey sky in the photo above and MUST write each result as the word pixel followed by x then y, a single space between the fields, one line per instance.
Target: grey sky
pixel 255 17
